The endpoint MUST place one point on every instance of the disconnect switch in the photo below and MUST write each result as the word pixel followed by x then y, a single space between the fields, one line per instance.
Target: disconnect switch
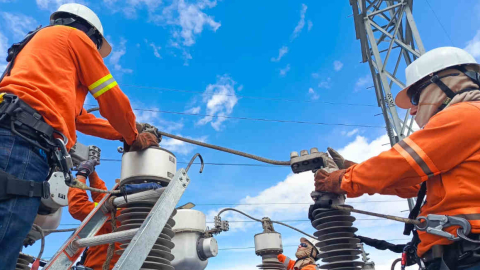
pixel 307 162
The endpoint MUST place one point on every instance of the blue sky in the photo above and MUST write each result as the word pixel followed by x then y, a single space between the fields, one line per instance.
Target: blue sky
pixel 209 57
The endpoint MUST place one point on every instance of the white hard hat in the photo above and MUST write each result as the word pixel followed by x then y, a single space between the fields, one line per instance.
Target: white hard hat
pixel 431 62
pixel 89 16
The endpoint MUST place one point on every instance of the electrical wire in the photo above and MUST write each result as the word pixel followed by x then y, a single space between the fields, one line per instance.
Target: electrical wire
pixel 248 118
pixel 250 97
pixel 441 24
pixel 208 163
pixel 256 219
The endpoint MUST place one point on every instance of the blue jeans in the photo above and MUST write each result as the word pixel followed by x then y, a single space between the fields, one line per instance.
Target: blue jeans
pixel 27 162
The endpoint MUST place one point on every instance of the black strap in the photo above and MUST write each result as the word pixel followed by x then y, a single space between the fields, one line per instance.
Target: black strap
pixel 381 244
pixel 416 209
pixel 12 186
pixel 436 80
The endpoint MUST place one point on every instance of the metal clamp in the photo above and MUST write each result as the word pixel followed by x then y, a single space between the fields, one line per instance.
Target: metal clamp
pixel 64 160
pixel 434 224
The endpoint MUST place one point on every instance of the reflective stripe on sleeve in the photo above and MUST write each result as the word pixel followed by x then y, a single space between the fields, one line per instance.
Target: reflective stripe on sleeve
pixel 103 85
pixel 417 158
pixel 286 262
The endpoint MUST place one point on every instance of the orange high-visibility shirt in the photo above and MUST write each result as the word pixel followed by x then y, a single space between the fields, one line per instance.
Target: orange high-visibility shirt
pixel 53 74
pixel 289 263
pixel 79 207
pixel 446 154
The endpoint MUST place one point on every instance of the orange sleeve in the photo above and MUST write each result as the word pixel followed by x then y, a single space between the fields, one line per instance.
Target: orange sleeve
pixel 92 72
pixel 96 182
pixel 78 204
pixel 447 140
pixel 286 261
pixel 89 124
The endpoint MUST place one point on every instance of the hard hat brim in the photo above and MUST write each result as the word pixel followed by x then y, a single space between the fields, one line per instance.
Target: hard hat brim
pixel 106 48
pixel 402 100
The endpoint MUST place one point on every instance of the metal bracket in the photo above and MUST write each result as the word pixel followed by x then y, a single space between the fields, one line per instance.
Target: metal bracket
pixel 434 224
pixel 307 162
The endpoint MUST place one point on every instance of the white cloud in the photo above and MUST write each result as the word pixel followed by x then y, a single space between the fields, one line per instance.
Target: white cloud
pixel 220 99
pixel 360 149
pixel 54 4
pixel 194 110
pixel 313 95
pixel 300 23
pixel 180 147
pixel 155 48
pixel 18 24
pixel 337 65
pixel 117 52
pixel 473 46
pixel 188 19
pixel 350 133
pixel 281 52
pixel 284 71
pixel 309 25
pixel 327 84
pixel 362 82
pixel 3 52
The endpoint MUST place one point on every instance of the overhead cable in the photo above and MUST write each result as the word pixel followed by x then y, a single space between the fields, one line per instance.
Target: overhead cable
pixel 207 163
pixel 248 118
pixel 251 97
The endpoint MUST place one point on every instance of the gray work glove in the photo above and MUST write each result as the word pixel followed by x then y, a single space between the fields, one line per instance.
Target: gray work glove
pixel 86 168
pixel 339 160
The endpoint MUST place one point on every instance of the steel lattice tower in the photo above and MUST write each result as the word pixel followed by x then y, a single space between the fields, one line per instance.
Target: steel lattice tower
pixel 389 41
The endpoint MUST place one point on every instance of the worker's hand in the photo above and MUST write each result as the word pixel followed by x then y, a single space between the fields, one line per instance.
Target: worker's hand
pixel 143 141
pixel 86 167
pixel 145 127
pixel 339 160
pixel 329 181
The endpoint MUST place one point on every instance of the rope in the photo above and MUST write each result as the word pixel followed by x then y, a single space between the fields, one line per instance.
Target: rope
pixel 395 218
pixel 81 185
pixel 60 230
pixel 273 221
pixel 395 263
pixel 111 246
pixel 42 235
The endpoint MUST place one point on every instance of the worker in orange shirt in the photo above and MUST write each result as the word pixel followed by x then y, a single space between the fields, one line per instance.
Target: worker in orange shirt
pixel 42 92
pixel 80 206
pixel 307 255
pixel 442 159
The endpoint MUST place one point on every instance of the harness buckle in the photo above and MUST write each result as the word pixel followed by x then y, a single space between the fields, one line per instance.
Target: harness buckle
pixel 46 190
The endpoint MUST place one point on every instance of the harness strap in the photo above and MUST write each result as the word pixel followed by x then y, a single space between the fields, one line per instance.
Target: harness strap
pixel 12 186
pixel 416 209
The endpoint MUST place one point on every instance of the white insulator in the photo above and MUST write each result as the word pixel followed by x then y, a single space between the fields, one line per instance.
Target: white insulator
pixel 268 243
pixel 191 251
pixel 58 192
pixel 154 163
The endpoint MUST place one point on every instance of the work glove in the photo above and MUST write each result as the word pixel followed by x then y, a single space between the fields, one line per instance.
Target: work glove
pixel 145 127
pixel 86 167
pixel 339 160
pixel 315 206
pixel 329 182
pixel 143 141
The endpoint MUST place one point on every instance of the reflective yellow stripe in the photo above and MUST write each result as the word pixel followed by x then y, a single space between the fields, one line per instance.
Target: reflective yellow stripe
pixel 96 204
pixel 103 85
pixel 105 89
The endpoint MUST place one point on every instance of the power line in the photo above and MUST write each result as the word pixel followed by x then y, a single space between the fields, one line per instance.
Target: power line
pixel 290 203
pixel 252 97
pixel 441 24
pixel 210 163
pixel 255 119
pixel 237 248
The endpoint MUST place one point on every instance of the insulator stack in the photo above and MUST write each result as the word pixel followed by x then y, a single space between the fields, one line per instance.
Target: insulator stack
pixel 132 216
pixel 23 262
pixel 337 242
pixel 268 246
